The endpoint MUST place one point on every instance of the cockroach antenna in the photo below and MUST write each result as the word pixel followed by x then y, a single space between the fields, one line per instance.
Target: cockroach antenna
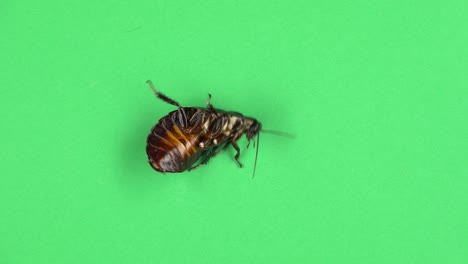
pixel 256 154
pixel 278 133
pixel 273 132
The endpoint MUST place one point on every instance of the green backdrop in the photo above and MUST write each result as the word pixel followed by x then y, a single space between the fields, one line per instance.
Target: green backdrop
pixel 375 93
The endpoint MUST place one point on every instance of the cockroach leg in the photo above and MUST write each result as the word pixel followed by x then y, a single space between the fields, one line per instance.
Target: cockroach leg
pixel 183 117
pixel 207 158
pixel 236 158
pixel 213 152
pixel 210 106
pixel 221 148
pixel 162 96
pixel 180 109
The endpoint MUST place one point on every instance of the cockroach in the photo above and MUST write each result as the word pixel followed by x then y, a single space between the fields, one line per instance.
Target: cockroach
pixel 189 137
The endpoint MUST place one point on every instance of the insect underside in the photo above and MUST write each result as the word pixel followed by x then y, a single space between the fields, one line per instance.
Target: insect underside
pixel 189 137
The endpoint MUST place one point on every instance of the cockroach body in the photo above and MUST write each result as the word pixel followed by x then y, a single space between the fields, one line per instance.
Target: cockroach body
pixel 190 136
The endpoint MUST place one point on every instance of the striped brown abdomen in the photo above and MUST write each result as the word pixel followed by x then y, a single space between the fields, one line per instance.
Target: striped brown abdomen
pixel 170 147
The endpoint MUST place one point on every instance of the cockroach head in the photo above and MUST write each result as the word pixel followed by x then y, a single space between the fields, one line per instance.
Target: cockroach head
pixel 253 129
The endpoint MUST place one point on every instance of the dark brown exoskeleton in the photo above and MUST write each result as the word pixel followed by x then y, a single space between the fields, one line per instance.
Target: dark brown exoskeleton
pixel 190 136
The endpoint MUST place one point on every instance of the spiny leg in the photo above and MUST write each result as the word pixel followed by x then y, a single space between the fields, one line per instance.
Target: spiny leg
pixel 213 152
pixel 162 96
pixel 221 148
pixel 236 158
pixel 248 143
pixel 182 117
pixel 205 160
pixel 168 100
pixel 209 105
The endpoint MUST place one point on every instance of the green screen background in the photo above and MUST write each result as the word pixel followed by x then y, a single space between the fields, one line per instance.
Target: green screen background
pixel 375 93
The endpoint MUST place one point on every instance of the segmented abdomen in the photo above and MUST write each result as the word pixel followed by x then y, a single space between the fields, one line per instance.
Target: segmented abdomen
pixel 172 145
